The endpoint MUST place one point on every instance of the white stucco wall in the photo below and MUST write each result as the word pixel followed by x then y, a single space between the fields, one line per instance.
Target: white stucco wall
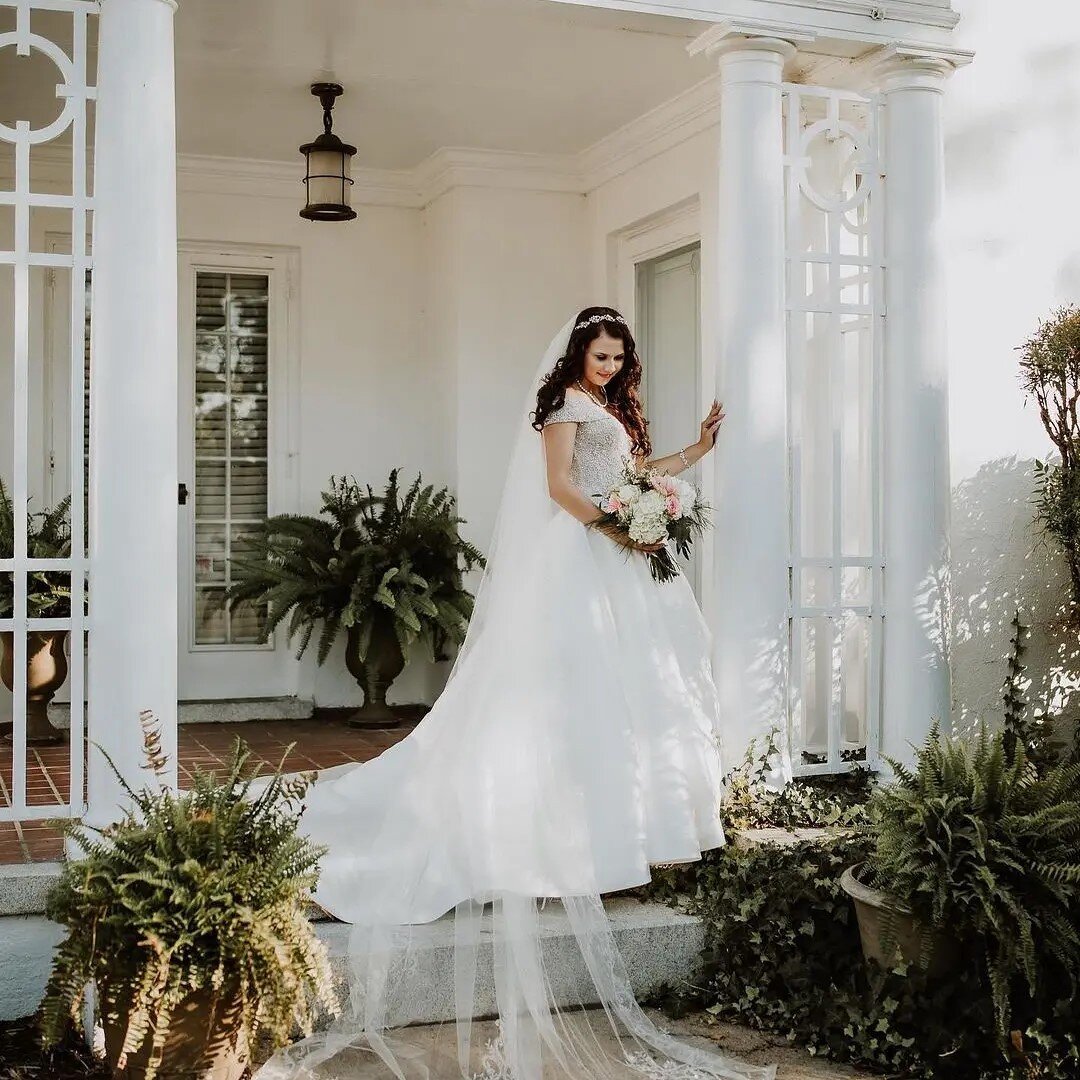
pixel 1013 242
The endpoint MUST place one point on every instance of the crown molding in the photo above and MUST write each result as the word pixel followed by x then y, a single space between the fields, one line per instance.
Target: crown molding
pixel 451 167
pixel 211 175
pixel 655 132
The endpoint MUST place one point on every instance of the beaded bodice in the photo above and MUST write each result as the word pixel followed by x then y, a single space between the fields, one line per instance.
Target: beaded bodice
pixel 601 444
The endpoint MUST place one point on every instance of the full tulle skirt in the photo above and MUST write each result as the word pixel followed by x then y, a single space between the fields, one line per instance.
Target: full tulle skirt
pixel 574 746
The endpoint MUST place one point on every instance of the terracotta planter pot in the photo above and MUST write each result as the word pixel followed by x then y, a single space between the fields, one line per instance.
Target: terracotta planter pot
pixel 383 664
pixel 46 670
pixel 910 934
pixel 196 1047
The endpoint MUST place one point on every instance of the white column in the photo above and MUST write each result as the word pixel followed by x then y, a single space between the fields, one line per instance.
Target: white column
pixel 750 624
pixel 915 415
pixel 133 451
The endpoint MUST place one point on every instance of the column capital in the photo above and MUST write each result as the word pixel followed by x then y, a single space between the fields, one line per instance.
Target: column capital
pixel 902 66
pixel 759 35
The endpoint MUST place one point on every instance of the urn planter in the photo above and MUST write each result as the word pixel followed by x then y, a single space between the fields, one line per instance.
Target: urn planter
pixel 46 671
pixel 913 941
pixel 382 665
pixel 202 1043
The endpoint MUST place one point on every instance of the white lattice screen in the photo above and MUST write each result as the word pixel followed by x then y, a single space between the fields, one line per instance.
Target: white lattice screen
pixel 58 31
pixel 834 315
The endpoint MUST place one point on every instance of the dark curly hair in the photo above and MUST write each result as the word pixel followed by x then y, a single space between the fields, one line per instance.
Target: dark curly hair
pixel 622 388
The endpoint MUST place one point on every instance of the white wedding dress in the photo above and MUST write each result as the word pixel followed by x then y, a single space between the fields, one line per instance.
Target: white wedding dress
pixel 574 745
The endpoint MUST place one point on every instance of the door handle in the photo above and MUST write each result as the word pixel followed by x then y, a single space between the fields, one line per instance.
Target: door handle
pixel 182 494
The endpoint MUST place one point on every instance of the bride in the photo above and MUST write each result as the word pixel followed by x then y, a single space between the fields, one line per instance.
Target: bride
pixel 574 746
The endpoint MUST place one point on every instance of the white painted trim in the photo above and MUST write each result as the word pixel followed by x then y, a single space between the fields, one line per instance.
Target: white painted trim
pixel 823 15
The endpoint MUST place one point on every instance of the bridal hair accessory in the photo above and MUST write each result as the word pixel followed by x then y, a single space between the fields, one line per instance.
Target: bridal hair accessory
pixel 601 318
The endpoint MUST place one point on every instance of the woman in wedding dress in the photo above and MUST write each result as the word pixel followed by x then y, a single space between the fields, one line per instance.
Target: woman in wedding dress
pixel 574 746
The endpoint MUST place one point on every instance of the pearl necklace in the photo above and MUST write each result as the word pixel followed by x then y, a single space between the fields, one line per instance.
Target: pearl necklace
pixel 603 404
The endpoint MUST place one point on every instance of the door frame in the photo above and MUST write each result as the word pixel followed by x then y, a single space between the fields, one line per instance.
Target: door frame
pixel 649 237
pixel 231 671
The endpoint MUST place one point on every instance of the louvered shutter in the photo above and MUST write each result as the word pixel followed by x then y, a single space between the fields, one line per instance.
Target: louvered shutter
pixel 231 442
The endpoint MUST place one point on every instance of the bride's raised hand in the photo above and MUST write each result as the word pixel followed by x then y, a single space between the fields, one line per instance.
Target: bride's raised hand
pixel 710 426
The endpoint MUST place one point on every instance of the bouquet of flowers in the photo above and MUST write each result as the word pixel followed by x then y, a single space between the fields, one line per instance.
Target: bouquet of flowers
pixel 652 508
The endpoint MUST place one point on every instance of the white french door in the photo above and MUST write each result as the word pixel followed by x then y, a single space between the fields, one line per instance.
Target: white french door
pixel 236 464
pixel 669 337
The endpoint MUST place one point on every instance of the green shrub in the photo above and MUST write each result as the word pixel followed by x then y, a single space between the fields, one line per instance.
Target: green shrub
pixel 202 889
pixel 370 557
pixel 782 948
pixel 986 848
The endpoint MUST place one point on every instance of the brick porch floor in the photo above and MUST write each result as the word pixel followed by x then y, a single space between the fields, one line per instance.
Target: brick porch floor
pixel 321 742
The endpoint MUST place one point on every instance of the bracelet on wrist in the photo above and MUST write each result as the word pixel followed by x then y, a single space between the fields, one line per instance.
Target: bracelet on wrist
pixel 682 455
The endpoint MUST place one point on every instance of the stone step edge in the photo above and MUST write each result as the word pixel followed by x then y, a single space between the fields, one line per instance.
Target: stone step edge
pixel 658 944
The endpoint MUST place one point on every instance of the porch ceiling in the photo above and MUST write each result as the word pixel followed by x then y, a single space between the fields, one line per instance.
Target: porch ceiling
pixel 516 75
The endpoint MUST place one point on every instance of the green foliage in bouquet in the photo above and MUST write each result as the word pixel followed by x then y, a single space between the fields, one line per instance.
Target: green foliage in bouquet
pixel 978 843
pixel 48 536
pixel 369 556
pixel 197 890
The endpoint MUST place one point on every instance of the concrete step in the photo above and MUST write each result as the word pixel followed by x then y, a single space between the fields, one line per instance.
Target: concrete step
pixel 658 944
pixel 24 887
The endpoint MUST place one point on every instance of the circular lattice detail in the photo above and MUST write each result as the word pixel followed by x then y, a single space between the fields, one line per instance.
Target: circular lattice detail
pixel 858 169
pixel 65 90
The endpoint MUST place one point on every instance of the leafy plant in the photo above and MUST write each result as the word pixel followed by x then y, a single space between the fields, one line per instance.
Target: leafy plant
pixel 982 845
pixel 1033 731
pixel 370 557
pixel 1050 375
pixel 805 802
pixel 198 890
pixel 48 536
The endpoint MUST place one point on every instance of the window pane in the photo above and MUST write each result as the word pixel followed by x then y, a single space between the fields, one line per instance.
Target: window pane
pixel 231 442
pixel 210 617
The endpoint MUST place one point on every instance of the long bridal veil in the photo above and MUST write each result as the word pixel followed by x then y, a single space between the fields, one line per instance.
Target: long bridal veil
pixel 491 812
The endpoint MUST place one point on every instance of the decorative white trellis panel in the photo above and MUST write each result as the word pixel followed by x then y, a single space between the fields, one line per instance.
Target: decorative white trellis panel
pixel 69 21
pixel 835 312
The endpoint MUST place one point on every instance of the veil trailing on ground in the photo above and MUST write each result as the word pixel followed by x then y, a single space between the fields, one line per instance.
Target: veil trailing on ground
pixel 483 811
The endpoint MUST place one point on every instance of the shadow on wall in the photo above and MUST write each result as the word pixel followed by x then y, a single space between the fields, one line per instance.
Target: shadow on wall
pixel 1001 561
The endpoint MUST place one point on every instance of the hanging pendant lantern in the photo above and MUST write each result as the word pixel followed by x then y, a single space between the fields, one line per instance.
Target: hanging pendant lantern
pixel 328 161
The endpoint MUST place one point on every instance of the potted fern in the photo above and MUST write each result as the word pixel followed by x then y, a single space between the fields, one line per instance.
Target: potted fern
pixel 387 569
pixel 974 848
pixel 48 596
pixel 189 916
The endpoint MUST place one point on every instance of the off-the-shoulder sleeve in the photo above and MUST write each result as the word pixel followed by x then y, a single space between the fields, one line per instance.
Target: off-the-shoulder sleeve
pixel 573 410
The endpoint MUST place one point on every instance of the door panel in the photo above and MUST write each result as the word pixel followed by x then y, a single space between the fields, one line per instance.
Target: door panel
pixel 669 337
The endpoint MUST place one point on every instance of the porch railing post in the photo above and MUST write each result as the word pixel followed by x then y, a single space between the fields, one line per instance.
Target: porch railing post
pixel 133 449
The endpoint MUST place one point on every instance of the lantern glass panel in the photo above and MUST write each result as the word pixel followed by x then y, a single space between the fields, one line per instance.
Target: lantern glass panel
pixel 325 184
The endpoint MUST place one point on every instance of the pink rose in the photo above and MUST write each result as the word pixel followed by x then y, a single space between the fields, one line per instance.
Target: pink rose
pixel 664 484
pixel 613 505
pixel 673 506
